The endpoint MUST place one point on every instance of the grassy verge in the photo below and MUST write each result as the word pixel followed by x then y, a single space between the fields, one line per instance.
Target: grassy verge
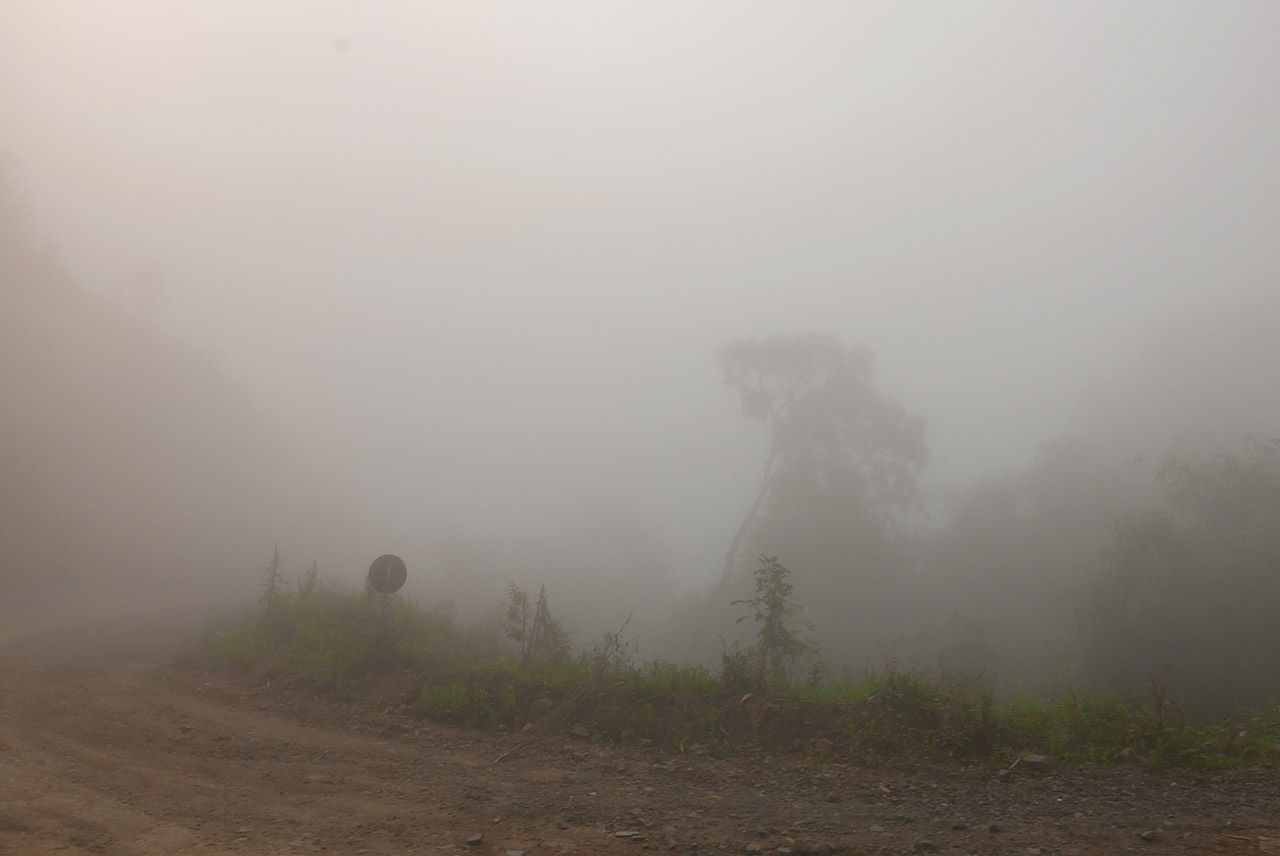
pixel 329 641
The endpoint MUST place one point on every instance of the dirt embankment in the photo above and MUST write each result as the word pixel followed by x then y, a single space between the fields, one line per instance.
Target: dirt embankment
pixel 105 747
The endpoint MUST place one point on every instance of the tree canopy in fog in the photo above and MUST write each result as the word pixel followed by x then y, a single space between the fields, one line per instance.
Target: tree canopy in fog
pixel 826 422
pixel 1187 596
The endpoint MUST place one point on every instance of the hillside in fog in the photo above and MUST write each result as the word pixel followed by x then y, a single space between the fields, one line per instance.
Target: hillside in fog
pixel 128 458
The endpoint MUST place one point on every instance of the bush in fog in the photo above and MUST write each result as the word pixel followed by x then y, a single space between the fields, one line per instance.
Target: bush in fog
pixel 1188 596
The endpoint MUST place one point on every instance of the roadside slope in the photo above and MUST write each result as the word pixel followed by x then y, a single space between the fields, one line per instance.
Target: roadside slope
pixel 105 747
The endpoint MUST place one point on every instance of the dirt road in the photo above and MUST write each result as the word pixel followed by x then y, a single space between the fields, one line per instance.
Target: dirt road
pixel 106 747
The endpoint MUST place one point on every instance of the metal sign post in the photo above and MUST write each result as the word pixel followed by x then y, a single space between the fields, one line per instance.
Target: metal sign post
pixel 386 576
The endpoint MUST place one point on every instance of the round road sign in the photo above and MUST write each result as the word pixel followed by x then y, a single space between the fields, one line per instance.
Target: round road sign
pixel 387 574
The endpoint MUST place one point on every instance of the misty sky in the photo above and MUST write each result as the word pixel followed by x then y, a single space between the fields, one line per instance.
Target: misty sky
pixel 476 257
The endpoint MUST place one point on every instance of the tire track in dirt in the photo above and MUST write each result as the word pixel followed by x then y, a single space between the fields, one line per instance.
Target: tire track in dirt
pixel 104 751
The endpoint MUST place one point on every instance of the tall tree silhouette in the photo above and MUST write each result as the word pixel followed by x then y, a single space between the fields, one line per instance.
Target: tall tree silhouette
pixel 825 419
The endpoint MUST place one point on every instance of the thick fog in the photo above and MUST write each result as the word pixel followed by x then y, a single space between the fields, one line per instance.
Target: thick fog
pixel 463 269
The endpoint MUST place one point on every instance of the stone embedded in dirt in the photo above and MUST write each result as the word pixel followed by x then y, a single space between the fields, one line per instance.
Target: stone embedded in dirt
pixel 823 746
pixel 1035 760
pixel 514 853
pixel 185 728
pixel 833 797
pixel 875 827
pixel 924 845
pixel 630 833
pixel 1148 835
pixel 754 847
pixel 475 839
pixel 581 731
pixel 994 827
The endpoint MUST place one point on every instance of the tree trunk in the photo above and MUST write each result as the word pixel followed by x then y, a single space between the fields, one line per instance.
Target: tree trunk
pixel 726 575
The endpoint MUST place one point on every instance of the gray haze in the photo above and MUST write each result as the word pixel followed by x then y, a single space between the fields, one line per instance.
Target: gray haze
pixel 473 260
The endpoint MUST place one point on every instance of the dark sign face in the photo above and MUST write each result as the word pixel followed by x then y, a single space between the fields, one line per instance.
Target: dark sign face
pixel 387 574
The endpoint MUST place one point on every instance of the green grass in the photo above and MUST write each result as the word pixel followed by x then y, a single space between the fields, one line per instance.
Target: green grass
pixel 464 676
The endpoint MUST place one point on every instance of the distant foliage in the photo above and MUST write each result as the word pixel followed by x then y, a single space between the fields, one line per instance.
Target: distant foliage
pixel 815 394
pixel 272 581
pixel 307 582
pixel 1226 492
pixel 839 478
pixel 516 627
pixel 538 634
pixel 1188 598
pixel 826 423
pixel 549 640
